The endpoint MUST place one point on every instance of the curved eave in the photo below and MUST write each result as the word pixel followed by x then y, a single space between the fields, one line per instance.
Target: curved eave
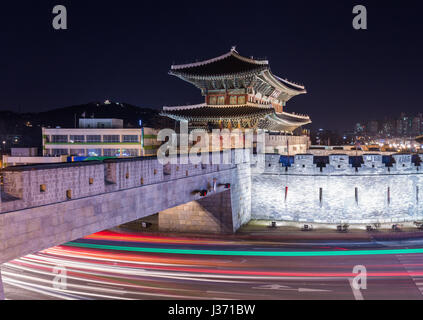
pixel 284 122
pixel 283 85
pixel 217 107
pixel 210 118
pixel 293 86
pixel 196 77
pixel 229 113
pixel 233 52
pixel 294 118
pixel 269 119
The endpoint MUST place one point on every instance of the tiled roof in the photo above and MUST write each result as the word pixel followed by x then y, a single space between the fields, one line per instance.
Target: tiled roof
pixel 293 118
pixel 290 85
pixel 207 112
pixel 231 63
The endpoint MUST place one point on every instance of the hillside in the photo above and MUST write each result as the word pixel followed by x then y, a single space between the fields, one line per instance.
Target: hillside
pixel 28 125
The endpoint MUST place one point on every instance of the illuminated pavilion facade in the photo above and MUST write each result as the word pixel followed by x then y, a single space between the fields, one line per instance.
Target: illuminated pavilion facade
pixel 239 93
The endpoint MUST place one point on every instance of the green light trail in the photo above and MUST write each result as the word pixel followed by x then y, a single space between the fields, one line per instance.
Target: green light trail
pixel 248 253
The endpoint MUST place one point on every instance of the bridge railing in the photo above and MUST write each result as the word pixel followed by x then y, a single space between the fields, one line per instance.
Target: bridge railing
pixel 38 185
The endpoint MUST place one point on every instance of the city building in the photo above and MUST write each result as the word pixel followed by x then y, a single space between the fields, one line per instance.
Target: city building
pixel 416 127
pixel 392 127
pixel 88 123
pixel 373 127
pixel 100 138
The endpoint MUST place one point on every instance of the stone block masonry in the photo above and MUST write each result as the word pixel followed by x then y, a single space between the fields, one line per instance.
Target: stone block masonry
pixel 210 215
pixel 225 212
pixel 338 192
pixel 39 212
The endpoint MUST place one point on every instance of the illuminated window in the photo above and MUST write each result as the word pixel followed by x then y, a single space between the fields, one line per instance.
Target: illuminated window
pixel 111 138
pixel 77 139
pixel 213 100
pixel 43 188
pixel 59 152
pixel 130 152
pixel 233 100
pixel 93 138
pixel 94 152
pixel 59 139
pixel 130 138
pixel 111 152
pixel 221 100
pixel 69 194
pixel 91 181
pixel 77 152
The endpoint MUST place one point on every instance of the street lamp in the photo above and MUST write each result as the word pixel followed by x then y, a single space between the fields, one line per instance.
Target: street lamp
pixel 4 147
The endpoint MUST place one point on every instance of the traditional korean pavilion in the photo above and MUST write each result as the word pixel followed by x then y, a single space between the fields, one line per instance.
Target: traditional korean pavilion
pixel 240 93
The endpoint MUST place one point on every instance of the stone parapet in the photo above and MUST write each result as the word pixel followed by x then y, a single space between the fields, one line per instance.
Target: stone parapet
pixel 339 164
pixel 339 189
pixel 38 212
pixel 40 185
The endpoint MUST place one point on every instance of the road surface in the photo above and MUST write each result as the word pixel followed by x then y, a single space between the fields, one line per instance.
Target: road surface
pixel 115 265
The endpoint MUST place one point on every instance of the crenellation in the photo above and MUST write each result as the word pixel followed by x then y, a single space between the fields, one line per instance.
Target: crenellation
pixel 403 162
pixel 373 161
pixel 42 186
pixel 366 191
pixel 336 164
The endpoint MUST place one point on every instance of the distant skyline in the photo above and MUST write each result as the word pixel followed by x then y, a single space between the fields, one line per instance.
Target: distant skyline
pixel 123 52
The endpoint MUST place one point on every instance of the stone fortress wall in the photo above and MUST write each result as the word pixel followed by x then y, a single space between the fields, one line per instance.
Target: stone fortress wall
pixel 47 205
pixel 338 192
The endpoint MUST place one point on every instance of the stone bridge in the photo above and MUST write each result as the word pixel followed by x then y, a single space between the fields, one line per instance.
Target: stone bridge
pixel 47 205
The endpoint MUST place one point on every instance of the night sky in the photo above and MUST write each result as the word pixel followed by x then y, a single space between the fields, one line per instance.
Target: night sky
pixel 123 50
